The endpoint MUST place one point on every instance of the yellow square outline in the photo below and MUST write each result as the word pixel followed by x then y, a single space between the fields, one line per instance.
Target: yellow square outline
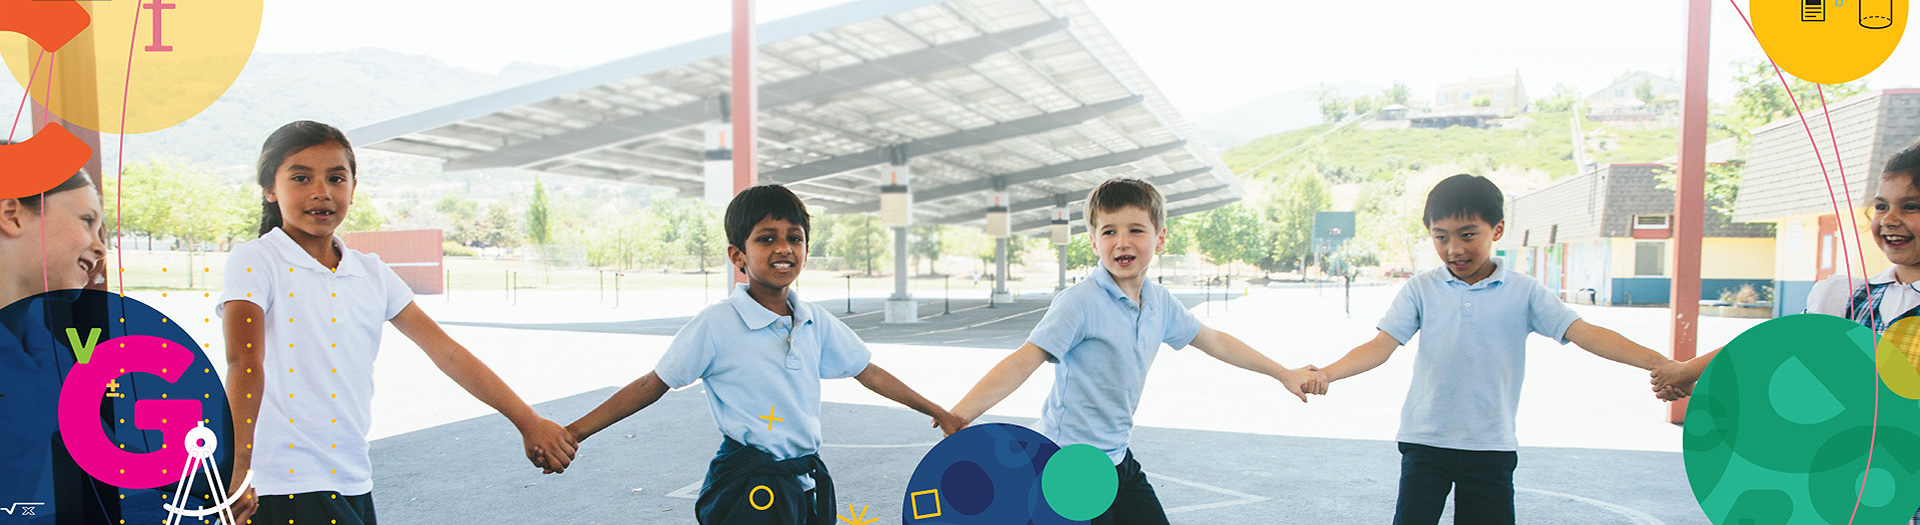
pixel 914 499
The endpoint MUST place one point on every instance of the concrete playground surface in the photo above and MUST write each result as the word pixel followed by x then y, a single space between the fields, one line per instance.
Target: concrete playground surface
pixel 1219 444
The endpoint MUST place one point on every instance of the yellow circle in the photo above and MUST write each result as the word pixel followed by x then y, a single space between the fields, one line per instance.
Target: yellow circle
pixel 184 55
pixel 1827 44
pixel 756 504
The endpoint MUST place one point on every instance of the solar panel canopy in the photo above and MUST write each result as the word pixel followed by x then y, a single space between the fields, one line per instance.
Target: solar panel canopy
pixel 1031 97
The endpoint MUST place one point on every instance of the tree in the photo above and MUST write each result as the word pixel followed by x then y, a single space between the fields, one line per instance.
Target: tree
pixel 1644 92
pixel 1365 104
pixel 538 228
pixel 497 227
pixel 1289 206
pixel 1482 102
pixel 1759 98
pixel 862 240
pixel 1332 106
pixel 924 243
pixel 1080 253
pixel 1400 94
pixel 1564 98
pixel 1233 233
pixel 363 216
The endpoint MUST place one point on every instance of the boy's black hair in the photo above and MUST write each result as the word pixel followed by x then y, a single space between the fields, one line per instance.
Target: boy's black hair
pixel 770 201
pixel 1122 192
pixel 1464 196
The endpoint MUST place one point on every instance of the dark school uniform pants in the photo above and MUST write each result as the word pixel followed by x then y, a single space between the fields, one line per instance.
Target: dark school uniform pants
pixel 1135 503
pixel 315 508
pixel 1484 480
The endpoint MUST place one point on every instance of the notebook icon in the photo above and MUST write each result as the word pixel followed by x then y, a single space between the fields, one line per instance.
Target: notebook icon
pixel 1813 11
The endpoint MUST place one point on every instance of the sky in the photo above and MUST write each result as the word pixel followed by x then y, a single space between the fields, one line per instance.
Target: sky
pixel 1205 55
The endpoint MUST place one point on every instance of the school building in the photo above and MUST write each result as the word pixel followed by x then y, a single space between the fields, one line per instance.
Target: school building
pixel 1605 237
pixel 1784 184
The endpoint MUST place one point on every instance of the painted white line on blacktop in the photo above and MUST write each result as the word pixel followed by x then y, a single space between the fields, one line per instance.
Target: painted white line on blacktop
pixel 1242 497
pixel 691 491
pixel 1635 515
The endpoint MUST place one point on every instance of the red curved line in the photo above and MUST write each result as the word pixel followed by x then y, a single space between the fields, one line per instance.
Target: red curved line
pixel 1874 431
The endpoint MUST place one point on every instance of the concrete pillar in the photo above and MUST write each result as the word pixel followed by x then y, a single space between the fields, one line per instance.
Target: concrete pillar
pixel 896 209
pixel 1062 257
pixel 1000 227
pixel 1062 233
pixel 1000 294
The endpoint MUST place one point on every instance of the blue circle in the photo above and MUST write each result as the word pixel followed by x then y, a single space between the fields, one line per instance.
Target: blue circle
pixel 967 487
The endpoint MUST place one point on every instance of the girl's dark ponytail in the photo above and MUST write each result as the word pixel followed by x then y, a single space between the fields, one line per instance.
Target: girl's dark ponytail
pixel 286 141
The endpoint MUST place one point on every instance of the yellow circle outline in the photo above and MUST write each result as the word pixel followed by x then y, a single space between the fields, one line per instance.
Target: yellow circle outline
pixel 756 490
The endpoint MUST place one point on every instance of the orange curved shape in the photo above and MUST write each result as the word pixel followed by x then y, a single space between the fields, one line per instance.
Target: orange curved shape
pixel 51 24
pixel 42 162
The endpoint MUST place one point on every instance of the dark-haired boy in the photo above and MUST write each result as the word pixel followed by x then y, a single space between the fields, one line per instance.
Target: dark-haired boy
pixel 1457 426
pixel 1102 334
pixel 762 354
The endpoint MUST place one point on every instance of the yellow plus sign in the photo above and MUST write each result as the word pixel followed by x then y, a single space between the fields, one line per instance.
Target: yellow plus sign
pixel 111 386
pixel 770 419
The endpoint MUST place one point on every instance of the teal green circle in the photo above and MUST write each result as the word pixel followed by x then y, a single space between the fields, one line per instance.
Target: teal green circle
pixel 1079 482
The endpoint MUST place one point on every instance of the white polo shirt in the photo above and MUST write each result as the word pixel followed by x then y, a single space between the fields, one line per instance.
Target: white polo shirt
pixel 322 332
pixel 1831 295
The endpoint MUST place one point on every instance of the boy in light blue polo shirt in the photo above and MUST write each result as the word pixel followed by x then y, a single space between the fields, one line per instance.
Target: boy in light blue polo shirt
pixel 1102 334
pixel 1474 315
pixel 762 354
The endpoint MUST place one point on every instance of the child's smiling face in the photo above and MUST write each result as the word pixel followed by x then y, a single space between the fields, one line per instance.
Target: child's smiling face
pixel 1125 239
pixel 1465 244
pixel 313 189
pixel 775 251
pixel 1896 212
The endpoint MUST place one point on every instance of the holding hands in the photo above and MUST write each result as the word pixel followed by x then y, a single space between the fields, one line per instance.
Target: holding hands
pixel 549 445
pixel 1674 380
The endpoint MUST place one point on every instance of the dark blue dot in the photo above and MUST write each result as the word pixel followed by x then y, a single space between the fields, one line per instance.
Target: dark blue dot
pixel 965 486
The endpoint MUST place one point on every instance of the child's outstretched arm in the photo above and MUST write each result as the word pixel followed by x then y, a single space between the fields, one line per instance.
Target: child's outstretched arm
pixel 243 322
pixel 883 383
pixel 1611 345
pixel 1000 382
pixel 639 394
pixel 1360 359
pixel 547 444
pixel 1673 381
pixel 1232 351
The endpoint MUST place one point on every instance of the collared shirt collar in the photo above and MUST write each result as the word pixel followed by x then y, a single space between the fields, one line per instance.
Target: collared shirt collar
pixel 279 240
pixel 1886 276
pixel 1104 280
pixel 1499 274
pixel 757 317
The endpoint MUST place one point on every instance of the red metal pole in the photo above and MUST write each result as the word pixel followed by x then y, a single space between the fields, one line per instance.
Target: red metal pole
pixel 744 104
pixel 1689 194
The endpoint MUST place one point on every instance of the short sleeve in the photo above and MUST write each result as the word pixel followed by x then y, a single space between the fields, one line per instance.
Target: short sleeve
pixel 399 295
pixel 1180 324
pixel 688 357
pixel 1830 295
pixel 241 283
pixel 1547 315
pixel 1060 329
pixel 842 352
pixel 1403 317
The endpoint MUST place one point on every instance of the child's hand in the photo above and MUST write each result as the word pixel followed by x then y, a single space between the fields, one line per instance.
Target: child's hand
pixel 1295 379
pixel 549 446
pixel 1673 380
pixel 1317 382
pixel 948 422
